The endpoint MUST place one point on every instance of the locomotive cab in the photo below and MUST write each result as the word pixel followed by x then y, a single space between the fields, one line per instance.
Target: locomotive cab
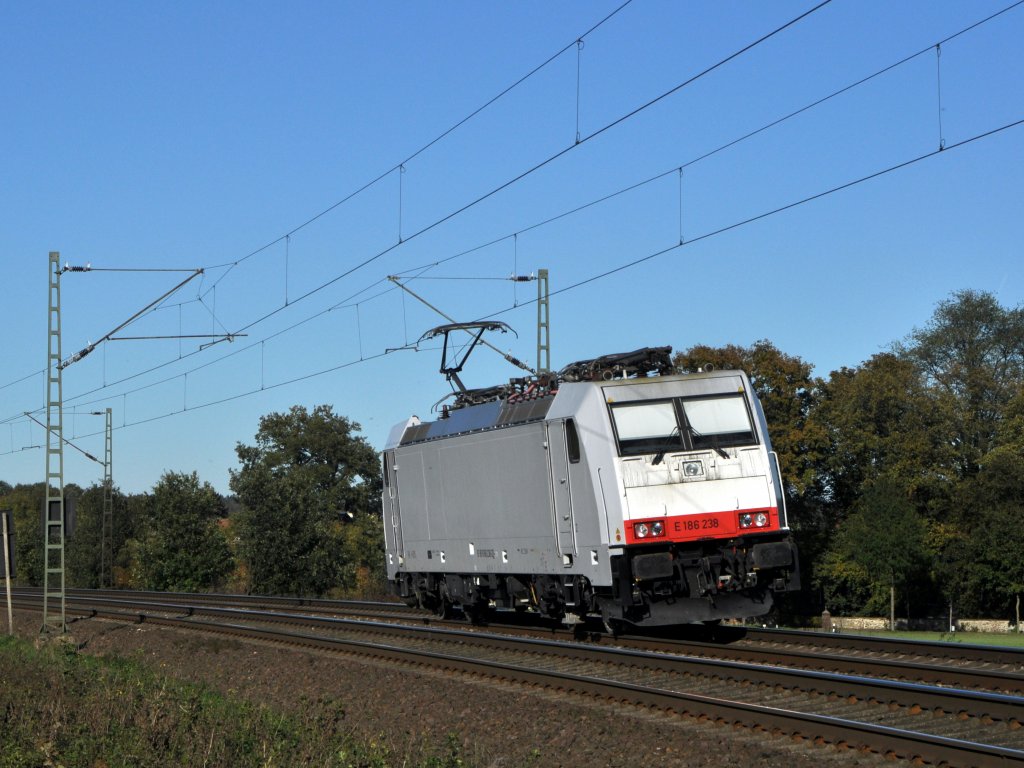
pixel 703 533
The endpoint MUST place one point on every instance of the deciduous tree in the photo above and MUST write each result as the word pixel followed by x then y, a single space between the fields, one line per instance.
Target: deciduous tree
pixel 305 481
pixel 884 537
pixel 26 503
pixel 881 420
pixel 992 561
pixel 972 354
pixel 182 548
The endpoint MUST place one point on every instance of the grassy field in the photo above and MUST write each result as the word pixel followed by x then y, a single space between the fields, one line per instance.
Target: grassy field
pixel 61 708
pixel 1009 640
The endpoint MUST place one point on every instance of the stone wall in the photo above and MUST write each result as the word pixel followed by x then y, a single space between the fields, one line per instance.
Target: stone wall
pixel 985 625
pixel 874 623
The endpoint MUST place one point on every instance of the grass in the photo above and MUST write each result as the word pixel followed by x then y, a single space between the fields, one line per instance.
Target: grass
pixel 1006 639
pixel 60 708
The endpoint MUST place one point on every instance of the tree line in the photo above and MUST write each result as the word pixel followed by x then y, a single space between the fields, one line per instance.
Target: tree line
pixel 304 519
pixel 905 474
pixel 904 478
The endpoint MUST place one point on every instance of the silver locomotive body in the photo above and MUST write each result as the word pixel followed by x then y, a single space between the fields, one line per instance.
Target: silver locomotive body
pixel 649 500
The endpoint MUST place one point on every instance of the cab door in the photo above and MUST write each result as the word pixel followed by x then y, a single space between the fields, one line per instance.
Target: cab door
pixel 559 443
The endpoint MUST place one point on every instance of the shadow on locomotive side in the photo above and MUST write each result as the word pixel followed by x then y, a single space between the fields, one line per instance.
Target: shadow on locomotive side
pixel 611 489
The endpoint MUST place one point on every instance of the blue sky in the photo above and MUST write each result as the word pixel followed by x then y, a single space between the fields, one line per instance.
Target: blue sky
pixel 191 135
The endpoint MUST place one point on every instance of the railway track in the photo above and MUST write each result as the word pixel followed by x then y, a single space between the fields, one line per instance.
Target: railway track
pixel 956 665
pixel 929 723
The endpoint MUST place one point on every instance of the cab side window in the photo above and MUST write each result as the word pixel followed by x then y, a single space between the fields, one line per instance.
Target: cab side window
pixel 572 441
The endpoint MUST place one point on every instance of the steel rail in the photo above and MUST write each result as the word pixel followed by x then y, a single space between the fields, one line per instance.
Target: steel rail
pixel 882 739
pixel 223 597
pixel 852 733
pixel 257 602
pixel 977 704
pixel 934 672
pixel 719 636
pixel 1000 680
pixel 971 652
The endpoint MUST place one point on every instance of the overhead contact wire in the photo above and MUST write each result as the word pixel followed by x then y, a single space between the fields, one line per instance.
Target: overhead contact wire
pixel 595 202
pixel 774 211
pixel 662 252
pixel 444 134
pixel 679 169
pixel 543 163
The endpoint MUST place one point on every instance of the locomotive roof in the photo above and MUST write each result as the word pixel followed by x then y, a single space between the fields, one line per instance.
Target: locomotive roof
pixel 473 418
pixel 517 409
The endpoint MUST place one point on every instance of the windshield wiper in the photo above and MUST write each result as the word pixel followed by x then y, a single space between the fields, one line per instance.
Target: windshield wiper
pixel 716 448
pixel 660 455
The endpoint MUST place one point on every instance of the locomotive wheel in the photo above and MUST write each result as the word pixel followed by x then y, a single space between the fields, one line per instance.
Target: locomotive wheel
pixel 475 613
pixel 580 631
pixel 613 627
pixel 444 608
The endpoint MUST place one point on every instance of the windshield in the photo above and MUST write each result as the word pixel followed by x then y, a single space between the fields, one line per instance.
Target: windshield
pixel 647 427
pixel 699 423
pixel 718 421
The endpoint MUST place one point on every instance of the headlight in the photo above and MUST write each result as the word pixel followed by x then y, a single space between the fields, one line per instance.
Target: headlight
pixel 755 519
pixel 652 530
pixel 692 469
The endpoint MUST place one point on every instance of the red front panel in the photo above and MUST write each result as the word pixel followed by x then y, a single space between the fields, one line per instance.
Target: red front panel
pixel 705 525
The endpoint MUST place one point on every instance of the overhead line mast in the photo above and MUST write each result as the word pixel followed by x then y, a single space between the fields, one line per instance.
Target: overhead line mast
pixel 107 532
pixel 53 512
pixel 543 324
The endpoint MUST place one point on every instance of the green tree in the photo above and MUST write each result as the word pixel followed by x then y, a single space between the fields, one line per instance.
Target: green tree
pixel 183 548
pixel 131 516
pixel 972 354
pixel 26 503
pixel 992 558
pixel 82 550
pixel 884 539
pixel 846 586
pixel 303 485
pixel 881 420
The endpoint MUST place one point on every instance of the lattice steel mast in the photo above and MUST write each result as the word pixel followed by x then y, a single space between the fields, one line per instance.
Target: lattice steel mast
pixel 543 323
pixel 53 518
pixel 107 536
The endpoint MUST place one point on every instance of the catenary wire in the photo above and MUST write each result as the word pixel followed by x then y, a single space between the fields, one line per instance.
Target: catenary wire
pixel 929 48
pixel 424 148
pixel 774 211
pixel 580 208
pixel 619 192
pixel 627 265
pixel 600 131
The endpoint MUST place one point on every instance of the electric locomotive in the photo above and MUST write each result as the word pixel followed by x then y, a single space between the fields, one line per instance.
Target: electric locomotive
pixel 616 488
